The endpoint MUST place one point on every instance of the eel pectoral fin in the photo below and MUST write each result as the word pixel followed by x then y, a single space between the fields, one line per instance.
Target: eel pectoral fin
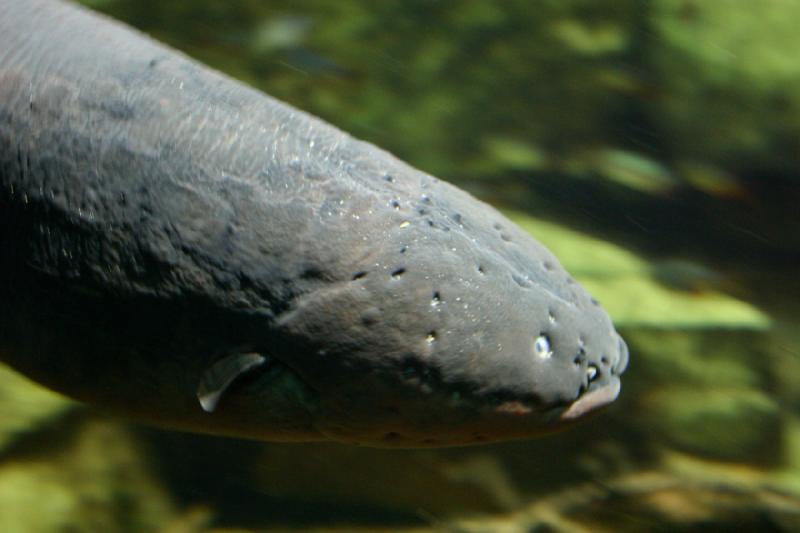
pixel 220 375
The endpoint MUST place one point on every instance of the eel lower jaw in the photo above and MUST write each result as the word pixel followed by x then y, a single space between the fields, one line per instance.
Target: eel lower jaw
pixel 592 400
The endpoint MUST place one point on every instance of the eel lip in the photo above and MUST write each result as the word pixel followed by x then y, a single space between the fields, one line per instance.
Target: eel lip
pixel 592 400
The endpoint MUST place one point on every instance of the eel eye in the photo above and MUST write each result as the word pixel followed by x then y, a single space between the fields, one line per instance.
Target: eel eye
pixel 541 347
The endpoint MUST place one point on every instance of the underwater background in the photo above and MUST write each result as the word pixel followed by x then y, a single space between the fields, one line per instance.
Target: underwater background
pixel 652 145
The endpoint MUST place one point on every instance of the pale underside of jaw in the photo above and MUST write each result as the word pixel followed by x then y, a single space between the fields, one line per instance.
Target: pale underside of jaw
pixel 592 400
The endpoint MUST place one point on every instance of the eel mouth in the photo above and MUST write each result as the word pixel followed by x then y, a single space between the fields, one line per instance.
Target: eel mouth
pixel 592 400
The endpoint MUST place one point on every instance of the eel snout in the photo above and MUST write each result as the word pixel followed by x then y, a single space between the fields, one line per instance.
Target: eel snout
pixel 602 387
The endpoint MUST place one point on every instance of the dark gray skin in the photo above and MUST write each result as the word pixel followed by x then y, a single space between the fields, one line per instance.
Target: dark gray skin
pixel 157 217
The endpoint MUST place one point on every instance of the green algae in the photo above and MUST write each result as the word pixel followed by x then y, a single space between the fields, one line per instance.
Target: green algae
pixel 25 406
pixel 628 287
pixel 96 479
pixel 728 87
pixel 719 422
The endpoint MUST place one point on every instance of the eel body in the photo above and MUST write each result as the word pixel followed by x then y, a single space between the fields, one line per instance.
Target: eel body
pixel 170 235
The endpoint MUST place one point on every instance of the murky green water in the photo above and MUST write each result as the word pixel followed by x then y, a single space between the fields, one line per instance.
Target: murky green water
pixel 653 146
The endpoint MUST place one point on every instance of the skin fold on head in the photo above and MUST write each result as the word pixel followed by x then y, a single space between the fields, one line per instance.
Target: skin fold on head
pixel 190 252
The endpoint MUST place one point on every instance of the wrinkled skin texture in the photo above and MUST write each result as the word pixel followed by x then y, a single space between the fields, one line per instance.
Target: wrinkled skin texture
pixel 156 216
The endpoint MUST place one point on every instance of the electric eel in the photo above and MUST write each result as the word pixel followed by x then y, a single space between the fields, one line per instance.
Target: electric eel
pixel 185 250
